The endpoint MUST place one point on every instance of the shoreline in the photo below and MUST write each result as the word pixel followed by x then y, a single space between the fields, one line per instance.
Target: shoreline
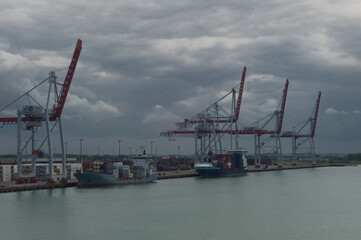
pixel 12 187
pixel 6 187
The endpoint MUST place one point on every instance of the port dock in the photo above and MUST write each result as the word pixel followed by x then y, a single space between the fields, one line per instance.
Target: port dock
pixel 191 173
pixel 12 187
pixel 163 175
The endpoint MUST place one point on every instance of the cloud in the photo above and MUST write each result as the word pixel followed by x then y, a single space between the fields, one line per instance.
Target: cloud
pixel 158 116
pixel 269 106
pixel 13 61
pixel 198 43
pixel 331 111
pixel 49 59
pixel 158 107
pixel 148 64
pixel 17 77
pixel 196 101
pixel 77 107
pixel 334 111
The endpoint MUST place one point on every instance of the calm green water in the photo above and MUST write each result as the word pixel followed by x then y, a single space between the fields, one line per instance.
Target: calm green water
pixel 321 203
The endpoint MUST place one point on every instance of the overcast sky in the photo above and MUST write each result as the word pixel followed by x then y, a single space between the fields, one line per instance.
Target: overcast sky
pixel 147 64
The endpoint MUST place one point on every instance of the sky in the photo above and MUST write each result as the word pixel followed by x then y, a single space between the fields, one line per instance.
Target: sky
pixel 148 64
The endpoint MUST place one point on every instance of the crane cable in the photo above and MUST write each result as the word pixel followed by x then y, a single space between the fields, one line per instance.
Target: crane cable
pixel 24 94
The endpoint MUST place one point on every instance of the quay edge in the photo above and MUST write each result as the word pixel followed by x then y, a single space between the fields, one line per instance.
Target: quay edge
pixel 12 187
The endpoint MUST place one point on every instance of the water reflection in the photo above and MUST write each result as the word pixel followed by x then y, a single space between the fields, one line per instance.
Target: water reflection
pixel 224 208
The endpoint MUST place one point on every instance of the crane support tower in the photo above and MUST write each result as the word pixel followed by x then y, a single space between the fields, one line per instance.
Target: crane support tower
pixel 265 147
pixel 31 117
pixel 300 147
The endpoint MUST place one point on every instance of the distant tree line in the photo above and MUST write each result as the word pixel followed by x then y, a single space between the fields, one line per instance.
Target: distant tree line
pixel 354 157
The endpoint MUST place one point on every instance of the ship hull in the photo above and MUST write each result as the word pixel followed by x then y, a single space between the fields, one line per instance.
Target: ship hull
pixel 217 172
pixel 91 179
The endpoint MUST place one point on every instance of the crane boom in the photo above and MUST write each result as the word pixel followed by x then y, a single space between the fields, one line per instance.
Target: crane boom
pixel 316 114
pixel 241 86
pixel 283 105
pixel 63 93
pixel 69 77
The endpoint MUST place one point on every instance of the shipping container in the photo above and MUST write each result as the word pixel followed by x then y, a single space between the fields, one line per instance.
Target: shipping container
pixel 115 173
pixel 124 175
pixel 117 164
pixel 87 165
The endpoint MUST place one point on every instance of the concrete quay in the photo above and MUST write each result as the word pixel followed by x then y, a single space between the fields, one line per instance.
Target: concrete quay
pixel 289 167
pixel 192 173
pixel 12 187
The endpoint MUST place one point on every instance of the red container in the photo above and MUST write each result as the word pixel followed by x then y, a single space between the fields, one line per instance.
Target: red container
pixel 124 175
pixel 87 165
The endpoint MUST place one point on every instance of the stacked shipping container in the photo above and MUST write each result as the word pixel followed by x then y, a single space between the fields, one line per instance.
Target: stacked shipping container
pixel 9 172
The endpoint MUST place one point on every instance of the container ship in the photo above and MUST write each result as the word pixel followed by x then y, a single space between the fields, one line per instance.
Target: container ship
pixel 232 164
pixel 116 173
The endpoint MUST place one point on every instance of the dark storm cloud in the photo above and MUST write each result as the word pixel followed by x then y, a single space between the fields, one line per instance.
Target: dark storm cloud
pixel 148 64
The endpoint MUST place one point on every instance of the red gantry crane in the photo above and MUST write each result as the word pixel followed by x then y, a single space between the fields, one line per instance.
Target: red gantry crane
pixel 264 147
pixel 297 134
pixel 208 128
pixel 261 147
pixel 31 117
pixel 210 125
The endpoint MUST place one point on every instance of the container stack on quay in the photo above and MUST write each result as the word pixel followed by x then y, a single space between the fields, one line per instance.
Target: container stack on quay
pixel 9 172
pixel 5 173
pixel 71 169
pixel 174 164
pixel 41 170
pixel 14 171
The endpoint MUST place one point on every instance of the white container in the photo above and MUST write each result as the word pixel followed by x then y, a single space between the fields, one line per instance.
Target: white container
pixel 117 164
pixel 6 178
pixel 6 172
pixel 6 167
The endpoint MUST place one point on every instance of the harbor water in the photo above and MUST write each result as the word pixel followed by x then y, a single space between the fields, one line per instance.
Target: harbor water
pixel 318 203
